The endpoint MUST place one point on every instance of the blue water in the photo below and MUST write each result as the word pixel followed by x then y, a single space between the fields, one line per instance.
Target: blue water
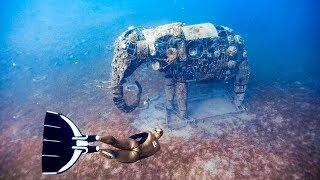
pixel 56 55
pixel 67 43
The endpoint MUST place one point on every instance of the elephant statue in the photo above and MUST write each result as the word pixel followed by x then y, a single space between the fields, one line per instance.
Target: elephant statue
pixel 184 53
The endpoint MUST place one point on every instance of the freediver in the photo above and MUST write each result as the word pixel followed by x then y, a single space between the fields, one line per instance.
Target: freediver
pixel 136 147
pixel 63 143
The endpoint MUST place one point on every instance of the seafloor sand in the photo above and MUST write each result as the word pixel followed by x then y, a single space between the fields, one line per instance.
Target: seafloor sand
pixel 281 139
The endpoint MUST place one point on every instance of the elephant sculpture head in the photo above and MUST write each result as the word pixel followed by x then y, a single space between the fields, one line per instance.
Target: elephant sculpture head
pixel 126 60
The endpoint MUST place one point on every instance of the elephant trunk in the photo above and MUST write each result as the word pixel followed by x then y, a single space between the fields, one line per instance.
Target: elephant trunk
pixel 130 52
pixel 120 73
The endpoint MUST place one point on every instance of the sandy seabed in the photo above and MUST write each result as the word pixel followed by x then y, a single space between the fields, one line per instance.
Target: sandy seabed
pixel 279 141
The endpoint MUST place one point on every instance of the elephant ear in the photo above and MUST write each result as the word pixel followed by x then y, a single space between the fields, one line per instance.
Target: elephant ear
pixel 161 46
pixel 195 49
pixel 168 50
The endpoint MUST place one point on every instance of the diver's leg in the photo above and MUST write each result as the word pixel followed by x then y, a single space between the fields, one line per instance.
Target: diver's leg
pixel 108 153
pixel 240 84
pixel 124 156
pixel 182 98
pixel 120 143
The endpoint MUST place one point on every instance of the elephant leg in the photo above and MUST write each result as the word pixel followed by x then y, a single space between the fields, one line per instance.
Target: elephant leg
pixel 240 85
pixel 181 88
pixel 169 90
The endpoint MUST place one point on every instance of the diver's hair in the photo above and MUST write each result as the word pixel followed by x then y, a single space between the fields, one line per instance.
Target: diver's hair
pixel 158 132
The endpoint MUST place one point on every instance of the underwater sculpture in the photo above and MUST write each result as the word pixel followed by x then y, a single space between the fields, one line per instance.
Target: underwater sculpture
pixel 183 53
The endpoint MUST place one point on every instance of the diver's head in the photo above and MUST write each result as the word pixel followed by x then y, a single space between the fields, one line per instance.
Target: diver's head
pixel 158 132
